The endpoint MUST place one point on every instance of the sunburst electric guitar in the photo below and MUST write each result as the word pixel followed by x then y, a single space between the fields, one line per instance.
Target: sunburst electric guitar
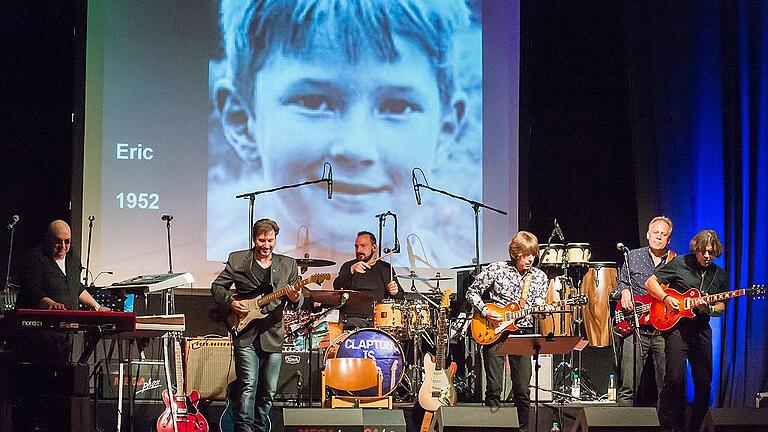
pixel 664 319
pixel 485 332
pixel 238 322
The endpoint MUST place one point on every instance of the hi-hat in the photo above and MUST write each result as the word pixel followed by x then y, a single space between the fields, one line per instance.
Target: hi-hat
pixel 414 276
pixel 358 303
pixel 313 262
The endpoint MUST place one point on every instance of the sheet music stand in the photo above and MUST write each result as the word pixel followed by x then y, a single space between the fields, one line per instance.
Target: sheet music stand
pixel 535 344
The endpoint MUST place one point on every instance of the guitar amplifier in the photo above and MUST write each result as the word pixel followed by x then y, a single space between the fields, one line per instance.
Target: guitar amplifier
pixel 209 366
pixel 148 382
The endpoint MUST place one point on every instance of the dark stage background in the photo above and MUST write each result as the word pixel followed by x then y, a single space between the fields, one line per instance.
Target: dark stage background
pixel 627 110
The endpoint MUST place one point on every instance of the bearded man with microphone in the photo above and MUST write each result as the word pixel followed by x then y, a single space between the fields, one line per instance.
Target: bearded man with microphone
pixel 368 275
pixel 639 265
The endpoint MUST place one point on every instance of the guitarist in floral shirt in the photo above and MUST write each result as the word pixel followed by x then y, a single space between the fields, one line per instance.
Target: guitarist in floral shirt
pixel 504 282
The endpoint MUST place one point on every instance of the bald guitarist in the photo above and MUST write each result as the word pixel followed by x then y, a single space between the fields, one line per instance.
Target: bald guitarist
pixel 506 282
pixel 645 340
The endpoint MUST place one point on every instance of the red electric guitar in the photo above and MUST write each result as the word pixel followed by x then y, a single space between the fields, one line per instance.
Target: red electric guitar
pixel 664 319
pixel 624 320
pixel 485 333
pixel 180 406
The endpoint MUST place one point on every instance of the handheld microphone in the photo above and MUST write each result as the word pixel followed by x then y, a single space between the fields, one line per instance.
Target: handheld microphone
pixel 167 217
pixel 416 187
pixel 14 221
pixel 621 248
pixel 344 298
pixel 330 181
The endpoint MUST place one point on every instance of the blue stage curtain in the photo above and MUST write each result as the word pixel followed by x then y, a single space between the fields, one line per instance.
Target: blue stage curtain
pixel 700 137
pixel 744 352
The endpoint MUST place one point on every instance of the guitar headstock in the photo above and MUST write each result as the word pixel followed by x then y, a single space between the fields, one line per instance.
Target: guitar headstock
pixel 317 278
pixel 446 302
pixel 756 290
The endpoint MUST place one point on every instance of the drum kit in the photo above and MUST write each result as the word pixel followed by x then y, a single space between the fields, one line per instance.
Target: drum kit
pixel 394 339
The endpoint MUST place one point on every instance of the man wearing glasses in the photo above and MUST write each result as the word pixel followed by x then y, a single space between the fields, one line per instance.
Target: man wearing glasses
pixel 50 279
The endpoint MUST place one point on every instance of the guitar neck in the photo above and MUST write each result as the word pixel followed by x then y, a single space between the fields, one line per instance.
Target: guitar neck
pixel 178 366
pixel 713 298
pixel 442 336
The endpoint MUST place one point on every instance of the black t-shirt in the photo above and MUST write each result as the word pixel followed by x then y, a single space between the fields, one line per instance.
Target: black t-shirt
pixel 684 273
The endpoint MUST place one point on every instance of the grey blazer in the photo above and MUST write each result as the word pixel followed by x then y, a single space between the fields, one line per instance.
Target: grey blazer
pixel 237 272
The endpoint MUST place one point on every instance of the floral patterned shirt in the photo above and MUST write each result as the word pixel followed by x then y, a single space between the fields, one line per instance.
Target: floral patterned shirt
pixel 504 285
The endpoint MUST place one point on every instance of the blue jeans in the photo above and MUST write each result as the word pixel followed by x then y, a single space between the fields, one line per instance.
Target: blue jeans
pixel 257 375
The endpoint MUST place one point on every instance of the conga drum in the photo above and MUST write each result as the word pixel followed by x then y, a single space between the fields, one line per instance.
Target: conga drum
pixel 598 284
pixel 559 323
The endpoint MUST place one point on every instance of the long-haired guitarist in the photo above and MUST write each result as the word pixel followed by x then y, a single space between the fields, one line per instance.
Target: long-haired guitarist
pixel 645 340
pixel 690 339
pixel 505 282
pixel 258 347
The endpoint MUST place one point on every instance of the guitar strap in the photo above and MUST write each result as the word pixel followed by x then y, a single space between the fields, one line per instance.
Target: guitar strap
pixel 526 287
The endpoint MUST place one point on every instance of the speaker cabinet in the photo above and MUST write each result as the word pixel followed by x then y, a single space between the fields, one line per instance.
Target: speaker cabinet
pixel 624 419
pixel 736 419
pixel 293 384
pixel 209 367
pixel 342 420
pixel 475 419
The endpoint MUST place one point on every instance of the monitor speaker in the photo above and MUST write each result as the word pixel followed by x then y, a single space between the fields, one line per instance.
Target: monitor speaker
pixel 475 419
pixel 342 420
pixel 735 419
pixel 624 419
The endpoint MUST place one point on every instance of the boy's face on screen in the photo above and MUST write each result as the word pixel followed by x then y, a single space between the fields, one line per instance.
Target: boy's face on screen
pixel 373 121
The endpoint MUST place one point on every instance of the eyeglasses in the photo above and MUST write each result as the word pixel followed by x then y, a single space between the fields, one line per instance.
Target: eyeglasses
pixel 58 241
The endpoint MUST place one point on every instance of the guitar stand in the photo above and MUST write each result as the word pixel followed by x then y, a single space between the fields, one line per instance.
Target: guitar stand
pixel 525 345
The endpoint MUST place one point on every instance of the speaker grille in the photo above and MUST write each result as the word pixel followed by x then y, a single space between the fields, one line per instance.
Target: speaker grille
pixel 209 366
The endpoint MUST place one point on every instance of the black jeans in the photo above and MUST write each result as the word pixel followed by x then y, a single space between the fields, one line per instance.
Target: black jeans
pixel 520 371
pixel 691 340
pixel 647 344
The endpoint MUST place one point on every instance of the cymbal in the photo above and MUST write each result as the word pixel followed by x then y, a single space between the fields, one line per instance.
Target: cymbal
pixel 357 302
pixel 314 262
pixel 423 278
pixel 468 266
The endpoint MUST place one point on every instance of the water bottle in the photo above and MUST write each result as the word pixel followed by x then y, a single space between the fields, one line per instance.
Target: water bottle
pixel 555 427
pixel 575 384
pixel 611 387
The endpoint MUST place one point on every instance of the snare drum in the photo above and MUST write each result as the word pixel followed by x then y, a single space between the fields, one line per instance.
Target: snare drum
pixel 419 315
pixel 578 253
pixel 375 344
pixel 551 254
pixel 390 316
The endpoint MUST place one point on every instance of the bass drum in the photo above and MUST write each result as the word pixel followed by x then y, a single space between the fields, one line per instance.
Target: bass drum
pixel 598 284
pixel 559 323
pixel 378 345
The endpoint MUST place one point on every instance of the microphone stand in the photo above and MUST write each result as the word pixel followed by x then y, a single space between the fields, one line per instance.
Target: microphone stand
pixel 88 254
pixel 251 197
pixel 382 221
pixel 9 301
pixel 307 327
pixel 476 205
pixel 170 303
pixel 635 334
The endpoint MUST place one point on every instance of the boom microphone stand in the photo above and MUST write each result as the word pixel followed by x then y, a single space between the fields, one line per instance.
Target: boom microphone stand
pixel 382 221
pixel 476 205
pixel 251 196
pixel 88 254
pixel 8 298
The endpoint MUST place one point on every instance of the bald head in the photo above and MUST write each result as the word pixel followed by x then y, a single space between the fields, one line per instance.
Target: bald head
pixel 59 238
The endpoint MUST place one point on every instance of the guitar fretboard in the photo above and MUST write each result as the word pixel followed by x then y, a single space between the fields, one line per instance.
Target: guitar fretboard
pixel 713 298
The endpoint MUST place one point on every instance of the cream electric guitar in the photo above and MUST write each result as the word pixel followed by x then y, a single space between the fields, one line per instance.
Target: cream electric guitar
pixel 437 389
pixel 238 322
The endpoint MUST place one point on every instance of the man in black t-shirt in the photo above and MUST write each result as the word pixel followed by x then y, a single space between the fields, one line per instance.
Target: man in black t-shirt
pixel 367 275
pixel 690 339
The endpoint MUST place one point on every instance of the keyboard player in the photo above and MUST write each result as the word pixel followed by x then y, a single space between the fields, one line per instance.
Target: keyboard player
pixel 50 279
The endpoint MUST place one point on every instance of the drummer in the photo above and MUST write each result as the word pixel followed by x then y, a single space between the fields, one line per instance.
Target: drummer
pixel 368 275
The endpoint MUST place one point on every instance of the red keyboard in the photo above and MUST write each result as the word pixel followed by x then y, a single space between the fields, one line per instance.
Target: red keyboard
pixel 116 322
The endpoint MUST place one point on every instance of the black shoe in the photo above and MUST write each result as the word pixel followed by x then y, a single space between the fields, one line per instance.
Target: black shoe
pixel 493 403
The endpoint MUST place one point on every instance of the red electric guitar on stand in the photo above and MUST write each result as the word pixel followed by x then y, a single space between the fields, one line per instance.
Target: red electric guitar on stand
pixel 180 406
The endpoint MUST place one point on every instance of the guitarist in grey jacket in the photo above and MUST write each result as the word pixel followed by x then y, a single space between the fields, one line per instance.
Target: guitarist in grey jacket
pixel 258 347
